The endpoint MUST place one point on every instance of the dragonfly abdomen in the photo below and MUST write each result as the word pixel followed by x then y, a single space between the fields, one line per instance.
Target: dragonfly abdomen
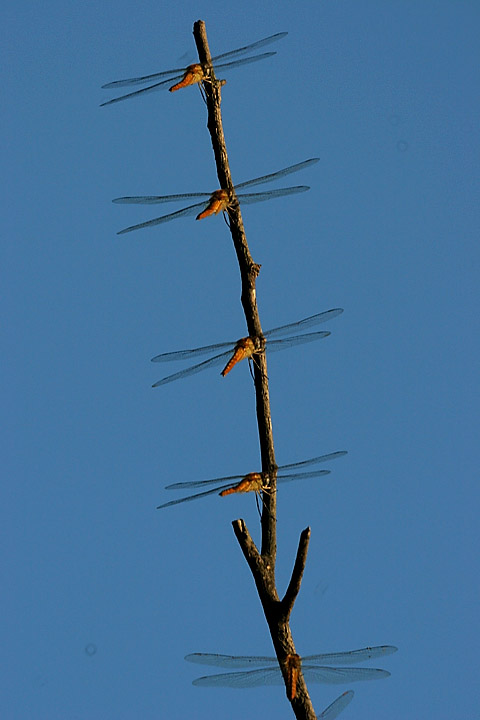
pixel 193 74
pixel 293 669
pixel 244 348
pixel 253 482
pixel 218 202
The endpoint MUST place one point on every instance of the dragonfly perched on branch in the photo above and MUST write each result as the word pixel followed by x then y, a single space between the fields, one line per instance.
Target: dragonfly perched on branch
pixel 193 74
pixel 247 347
pixel 314 668
pixel 253 482
pixel 218 201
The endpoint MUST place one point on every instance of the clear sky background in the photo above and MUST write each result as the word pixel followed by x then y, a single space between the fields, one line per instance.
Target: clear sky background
pixel 386 94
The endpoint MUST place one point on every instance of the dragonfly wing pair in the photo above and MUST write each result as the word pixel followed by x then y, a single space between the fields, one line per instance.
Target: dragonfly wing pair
pixel 178 74
pixel 273 345
pixel 211 203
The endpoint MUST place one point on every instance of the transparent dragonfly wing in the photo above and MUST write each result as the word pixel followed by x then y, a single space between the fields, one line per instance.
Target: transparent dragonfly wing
pixel 314 461
pixel 191 210
pixel 342 658
pixel 305 323
pixel 278 174
pixel 346 658
pixel 217 360
pixel 283 344
pixel 273 676
pixel 247 679
pixel 143 91
pixel 195 352
pixel 249 48
pixel 244 61
pixel 251 198
pixel 301 476
pixel 204 483
pixel 230 661
pixel 336 707
pixel 338 676
pixel 157 199
pixel 142 79
pixel 196 496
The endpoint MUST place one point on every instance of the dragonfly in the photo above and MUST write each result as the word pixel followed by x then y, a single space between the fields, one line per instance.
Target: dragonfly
pixel 193 74
pixel 315 668
pixel 252 482
pixel 233 352
pixel 218 201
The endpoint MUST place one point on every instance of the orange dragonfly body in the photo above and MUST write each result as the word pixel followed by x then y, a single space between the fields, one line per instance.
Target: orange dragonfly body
pixel 218 201
pixel 193 74
pixel 253 482
pixel 293 663
pixel 233 352
pixel 314 668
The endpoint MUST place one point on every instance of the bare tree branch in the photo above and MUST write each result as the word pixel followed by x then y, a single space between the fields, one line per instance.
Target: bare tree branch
pixel 262 565
pixel 297 573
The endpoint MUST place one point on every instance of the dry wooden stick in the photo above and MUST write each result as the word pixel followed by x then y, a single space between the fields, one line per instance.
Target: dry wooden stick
pixel 262 565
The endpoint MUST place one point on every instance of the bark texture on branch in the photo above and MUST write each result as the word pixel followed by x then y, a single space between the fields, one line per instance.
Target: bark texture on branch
pixel 261 564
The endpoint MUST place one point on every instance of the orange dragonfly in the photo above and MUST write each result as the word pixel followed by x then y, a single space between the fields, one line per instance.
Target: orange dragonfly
pixel 193 74
pixel 314 668
pixel 253 482
pixel 218 201
pixel 246 347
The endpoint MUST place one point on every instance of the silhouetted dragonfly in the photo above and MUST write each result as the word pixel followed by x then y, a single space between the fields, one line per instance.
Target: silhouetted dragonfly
pixel 218 201
pixel 253 482
pixel 195 73
pixel 314 668
pixel 246 347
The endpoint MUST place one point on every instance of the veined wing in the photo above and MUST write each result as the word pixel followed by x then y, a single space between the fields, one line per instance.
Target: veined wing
pixel 273 676
pixel 284 343
pixel 195 352
pixel 191 210
pixel 346 658
pixel 230 479
pixel 248 48
pixel 280 173
pixel 142 91
pixel 301 476
pixel 305 323
pixel 217 360
pixel 157 199
pixel 314 460
pixel 142 79
pixel 338 676
pixel 250 198
pixel 334 710
pixel 230 661
pixel 195 496
pixel 236 661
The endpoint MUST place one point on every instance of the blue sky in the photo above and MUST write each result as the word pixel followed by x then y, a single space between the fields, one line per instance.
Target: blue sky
pixel 386 94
